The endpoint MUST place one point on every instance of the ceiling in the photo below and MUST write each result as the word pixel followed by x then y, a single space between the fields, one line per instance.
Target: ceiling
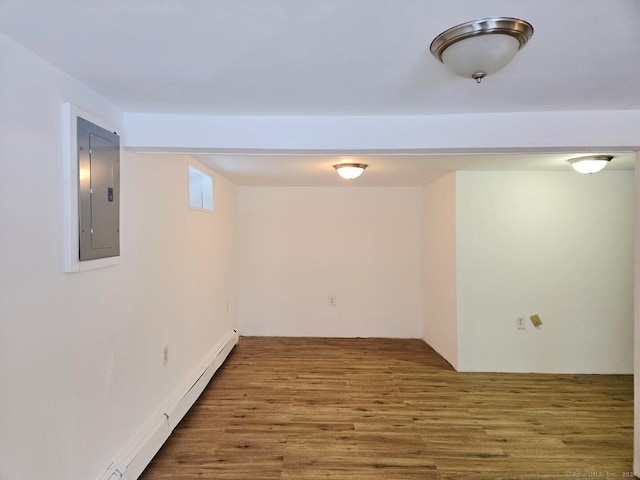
pixel 329 57
pixel 333 57
pixel 383 170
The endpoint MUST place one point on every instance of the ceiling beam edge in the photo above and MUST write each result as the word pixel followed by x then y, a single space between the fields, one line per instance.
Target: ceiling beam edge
pixel 465 133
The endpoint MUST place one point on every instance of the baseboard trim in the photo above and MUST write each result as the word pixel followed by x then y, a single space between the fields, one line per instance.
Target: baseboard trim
pixel 134 458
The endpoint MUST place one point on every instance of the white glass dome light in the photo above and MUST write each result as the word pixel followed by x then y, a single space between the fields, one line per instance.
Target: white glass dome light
pixel 592 164
pixel 481 47
pixel 350 170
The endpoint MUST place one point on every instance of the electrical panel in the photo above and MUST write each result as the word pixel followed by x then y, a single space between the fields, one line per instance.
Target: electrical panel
pixel 98 191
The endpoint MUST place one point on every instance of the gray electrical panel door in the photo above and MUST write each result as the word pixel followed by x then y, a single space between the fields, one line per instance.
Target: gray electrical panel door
pixel 98 191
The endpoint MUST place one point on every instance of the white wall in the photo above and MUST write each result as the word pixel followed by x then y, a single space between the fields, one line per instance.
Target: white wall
pixel 636 362
pixel 299 245
pixel 555 244
pixel 440 323
pixel 81 362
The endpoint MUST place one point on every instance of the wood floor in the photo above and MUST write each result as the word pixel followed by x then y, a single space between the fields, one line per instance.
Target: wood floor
pixel 301 408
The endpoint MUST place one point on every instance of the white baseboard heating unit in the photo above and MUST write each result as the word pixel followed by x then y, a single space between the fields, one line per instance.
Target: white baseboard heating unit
pixel 134 459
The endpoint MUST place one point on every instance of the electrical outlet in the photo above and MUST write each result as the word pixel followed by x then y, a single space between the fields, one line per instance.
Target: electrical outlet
pixel 535 319
pixel 331 301
pixel 520 323
pixel 165 354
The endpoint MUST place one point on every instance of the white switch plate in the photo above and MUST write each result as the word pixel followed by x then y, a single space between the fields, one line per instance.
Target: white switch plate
pixel 520 323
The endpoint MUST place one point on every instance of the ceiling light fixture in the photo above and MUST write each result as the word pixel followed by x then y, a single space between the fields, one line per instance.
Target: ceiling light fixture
pixel 350 170
pixel 592 164
pixel 481 47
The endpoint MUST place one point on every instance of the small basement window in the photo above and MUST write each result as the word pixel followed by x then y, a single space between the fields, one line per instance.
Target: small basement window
pixel 200 190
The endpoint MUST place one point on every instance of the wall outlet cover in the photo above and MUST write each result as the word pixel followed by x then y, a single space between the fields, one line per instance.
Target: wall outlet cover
pixel 165 355
pixel 535 319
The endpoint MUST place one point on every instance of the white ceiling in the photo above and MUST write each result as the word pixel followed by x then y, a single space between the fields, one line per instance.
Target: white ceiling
pixel 382 170
pixel 332 57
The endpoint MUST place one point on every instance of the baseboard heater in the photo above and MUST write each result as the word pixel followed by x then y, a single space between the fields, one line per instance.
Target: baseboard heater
pixel 134 459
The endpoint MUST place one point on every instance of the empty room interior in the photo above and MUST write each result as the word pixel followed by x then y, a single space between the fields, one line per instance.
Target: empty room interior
pixel 190 288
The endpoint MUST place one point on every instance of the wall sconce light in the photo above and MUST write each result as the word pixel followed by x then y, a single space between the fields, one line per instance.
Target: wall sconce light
pixel 481 47
pixel 350 170
pixel 592 164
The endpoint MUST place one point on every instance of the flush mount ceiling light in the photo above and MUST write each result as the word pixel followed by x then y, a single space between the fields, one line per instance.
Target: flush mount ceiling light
pixel 592 164
pixel 350 170
pixel 481 47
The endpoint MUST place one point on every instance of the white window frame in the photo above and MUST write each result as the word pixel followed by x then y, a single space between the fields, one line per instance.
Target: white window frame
pixel 200 190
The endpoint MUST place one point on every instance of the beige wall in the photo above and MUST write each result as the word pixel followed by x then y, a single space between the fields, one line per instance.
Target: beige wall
pixel 636 362
pixel 81 358
pixel 299 245
pixel 440 323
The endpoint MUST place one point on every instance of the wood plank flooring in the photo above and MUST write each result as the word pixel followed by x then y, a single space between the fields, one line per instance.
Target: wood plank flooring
pixel 310 408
